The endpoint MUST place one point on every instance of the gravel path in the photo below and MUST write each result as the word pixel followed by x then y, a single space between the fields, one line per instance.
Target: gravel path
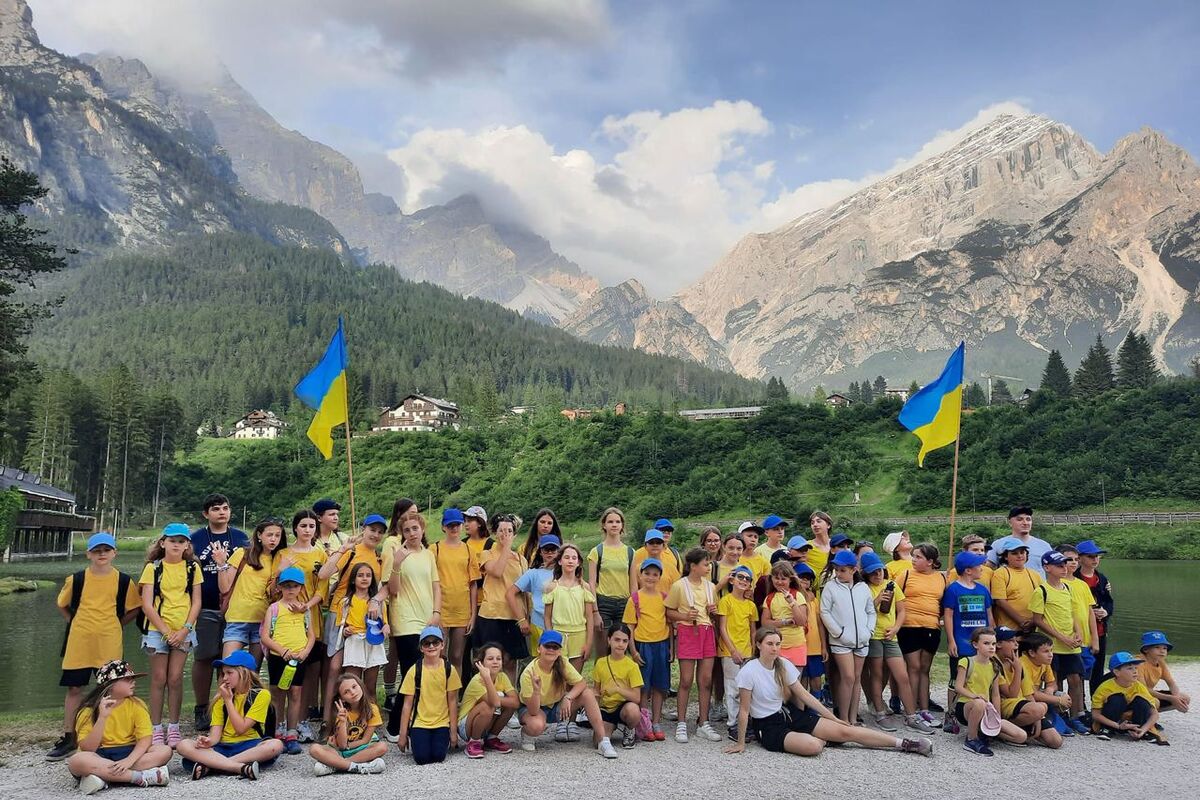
pixel 701 769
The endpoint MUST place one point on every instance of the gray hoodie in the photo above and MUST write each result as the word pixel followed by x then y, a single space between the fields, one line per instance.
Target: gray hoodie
pixel 848 613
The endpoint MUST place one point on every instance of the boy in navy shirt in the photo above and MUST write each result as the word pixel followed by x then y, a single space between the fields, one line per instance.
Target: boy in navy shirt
pixel 966 605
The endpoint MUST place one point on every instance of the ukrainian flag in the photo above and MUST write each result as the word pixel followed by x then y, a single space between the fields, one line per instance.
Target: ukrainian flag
pixel 324 390
pixel 934 413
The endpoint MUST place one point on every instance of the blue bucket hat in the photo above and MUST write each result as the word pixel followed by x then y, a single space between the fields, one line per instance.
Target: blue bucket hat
pixel 650 562
pixel 869 563
pixel 178 529
pixel 844 558
pixel 101 539
pixel 774 521
pixel 291 575
pixel 238 658
pixel 1089 548
pixel 1122 659
pixel 1154 638
pixel 375 630
pixel 374 519
pixel 452 516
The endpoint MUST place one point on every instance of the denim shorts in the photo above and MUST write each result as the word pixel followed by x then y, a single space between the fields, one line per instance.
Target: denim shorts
pixel 246 633
pixel 156 644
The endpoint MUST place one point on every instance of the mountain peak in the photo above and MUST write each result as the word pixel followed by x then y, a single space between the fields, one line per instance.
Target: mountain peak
pixel 16 23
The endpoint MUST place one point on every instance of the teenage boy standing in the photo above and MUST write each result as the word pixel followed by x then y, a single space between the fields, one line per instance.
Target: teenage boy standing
pixel 1020 523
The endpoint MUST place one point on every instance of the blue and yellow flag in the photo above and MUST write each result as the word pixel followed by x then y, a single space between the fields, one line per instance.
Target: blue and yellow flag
pixel 935 412
pixel 324 389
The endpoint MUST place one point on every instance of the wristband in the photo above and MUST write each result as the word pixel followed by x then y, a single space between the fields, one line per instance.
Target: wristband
pixel 191 626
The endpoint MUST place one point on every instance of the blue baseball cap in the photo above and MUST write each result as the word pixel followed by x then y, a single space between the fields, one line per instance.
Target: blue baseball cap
pixel 966 560
pixel 431 632
pixel 1122 659
pixel 803 570
pixel 844 558
pixel 101 539
pixel 664 524
pixel 1154 638
pixel 839 539
pixel 1008 544
pixel 1005 633
pixel 291 575
pixel 549 540
pixel 325 504
pixel 374 519
pixel 1054 557
pixel 1089 548
pixel 654 535
pixel 177 529
pixel 551 637
pixel 798 543
pixel 650 562
pixel 869 563
pixel 742 569
pixel 774 521
pixel 452 516
pixel 238 658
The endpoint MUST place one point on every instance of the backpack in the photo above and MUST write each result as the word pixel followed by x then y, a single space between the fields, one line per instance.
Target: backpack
pixel 192 569
pixel 77 580
pixel 260 728
pixel 599 550
pixel 417 687
pixel 637 605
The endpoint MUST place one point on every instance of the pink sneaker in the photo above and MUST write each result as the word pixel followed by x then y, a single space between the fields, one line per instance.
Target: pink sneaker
pixel 494 743
pixel 173 735
pixel 474 748
pixel 158 735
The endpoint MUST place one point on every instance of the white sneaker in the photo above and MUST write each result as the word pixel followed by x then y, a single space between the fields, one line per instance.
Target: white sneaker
pixel 707 732
pixel 304 732
pixel 681 733
pixel 670 713
pixel 513 722
pixel 388 736
pixel 528 743
pixel 606 749
pixel 90 784
pixel 572 732
pixel 372 767
pixel 321 770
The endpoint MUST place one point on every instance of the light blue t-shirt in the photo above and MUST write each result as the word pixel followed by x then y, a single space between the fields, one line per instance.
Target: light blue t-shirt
pixel 532 583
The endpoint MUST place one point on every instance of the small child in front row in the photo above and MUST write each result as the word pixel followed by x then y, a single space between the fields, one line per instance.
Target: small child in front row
pixel 239 740
pixel 976 686
pixel 1154 671
pixel 429 718
pixel 353 746
pixel 1123 704
pixel 646 611
pixel 488 703
pixel 1022 710
pixel 287 636
pixel 113 731
pixel 1036 656
pixel 618 686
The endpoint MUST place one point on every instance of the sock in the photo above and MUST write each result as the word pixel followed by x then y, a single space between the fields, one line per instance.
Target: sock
pixel 137 778
pixel 899 743
pixel 174 726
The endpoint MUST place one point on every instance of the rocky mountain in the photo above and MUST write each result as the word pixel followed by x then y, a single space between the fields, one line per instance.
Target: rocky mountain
pixel 1019 239
pixel 455 245
pixel 625 316
pixel 121 167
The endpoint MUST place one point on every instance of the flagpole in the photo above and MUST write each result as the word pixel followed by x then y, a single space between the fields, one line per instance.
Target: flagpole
pixel 954 495
pixel 349 460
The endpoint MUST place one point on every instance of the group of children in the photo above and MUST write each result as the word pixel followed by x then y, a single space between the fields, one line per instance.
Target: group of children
pixel 755 623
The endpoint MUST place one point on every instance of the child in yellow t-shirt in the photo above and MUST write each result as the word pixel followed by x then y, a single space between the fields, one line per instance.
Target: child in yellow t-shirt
pixel 1155 673
pixel 691 605
pixel 429 718
pixel 1025 712
pixel 976 686
pixel 488 702
pixel 570 605
pixel 353 745
pixel 288 635
pixel 113 730
pixel 1036 657
pixel 1123 704
pixel 618 684
pixel 646 611
pixel 738 623
pixel 553 690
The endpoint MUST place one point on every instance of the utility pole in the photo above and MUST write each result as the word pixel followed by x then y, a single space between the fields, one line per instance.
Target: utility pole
pixel 1103 498
pixel 162 437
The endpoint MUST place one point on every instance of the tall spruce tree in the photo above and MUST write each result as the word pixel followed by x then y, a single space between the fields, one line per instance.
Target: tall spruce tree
pixel 1095 374
pixel 1136 368
pixel 975 397
pixel 868 395
pixel 854 392
pixel 880 385
pixel 1001 394
pixel 1056 380
pixel 777 392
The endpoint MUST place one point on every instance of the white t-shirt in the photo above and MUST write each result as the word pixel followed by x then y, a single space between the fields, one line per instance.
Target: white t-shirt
pixel 765 697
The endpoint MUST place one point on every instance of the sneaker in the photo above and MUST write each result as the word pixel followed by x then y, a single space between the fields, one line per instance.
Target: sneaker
pixel 474 748
pixel 707 732
pixel 979 747
pixel 173 735
pixel 928 717
pixel 158 735
pixel 513 722
pixel 1154 737
pixel 62 748
pixel 201 718
pixel 671 714
pixel 573 734
pixel 304 731
pixel 918 724
pixel 249 772
pixel 894 705
pixel 717 713
pixel 681 733
pixel 156 776
pixel 90 784
pixel 949 725
pixel 885 722
pixel 629 740
pixel 390 737
pixel 528 743
pixel 291 746
pixel 561 732
pixel 373 767
pixel 1078 726
pixel 606 749
pixel 496 745
pixel 1067 732
pixel 321 770
pixel 934 705
pixel 732 733
pixel 1104 735
pixel 656 734
pixel 922 747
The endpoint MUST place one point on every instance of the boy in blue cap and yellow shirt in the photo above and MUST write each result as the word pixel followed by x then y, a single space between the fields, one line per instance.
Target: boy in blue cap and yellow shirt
pixel 1153 671
pixel 1123 704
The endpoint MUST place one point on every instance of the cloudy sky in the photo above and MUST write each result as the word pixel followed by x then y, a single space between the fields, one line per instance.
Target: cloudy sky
pixel 644 138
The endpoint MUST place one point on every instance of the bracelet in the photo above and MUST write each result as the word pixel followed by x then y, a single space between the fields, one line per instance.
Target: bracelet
pixel 191 626
pixel 224 567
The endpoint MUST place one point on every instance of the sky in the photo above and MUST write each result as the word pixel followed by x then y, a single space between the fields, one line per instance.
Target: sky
pixel 643 139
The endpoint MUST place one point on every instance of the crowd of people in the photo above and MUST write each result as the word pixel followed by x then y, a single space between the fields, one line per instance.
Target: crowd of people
pixel 779 637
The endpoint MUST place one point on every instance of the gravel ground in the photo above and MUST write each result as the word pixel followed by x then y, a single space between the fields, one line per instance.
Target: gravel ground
pixel 701 769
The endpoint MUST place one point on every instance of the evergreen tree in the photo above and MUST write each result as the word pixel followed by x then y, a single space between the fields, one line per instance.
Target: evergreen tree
pixel 854 392
pixel 1095 374
pixel 776 392
pixel 880 386
pixel 868 396
pixel 818 395
pixel 1001 394
pixel 1056 380
pixel 1136 368
pixel 913 388
pixel 975 396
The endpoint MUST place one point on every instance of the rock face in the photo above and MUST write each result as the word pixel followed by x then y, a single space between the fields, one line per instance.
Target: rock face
pixel 1020 239
pixel 625 316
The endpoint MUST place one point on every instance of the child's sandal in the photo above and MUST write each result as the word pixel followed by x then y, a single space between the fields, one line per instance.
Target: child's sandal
pixel 199 771
pixel 249 772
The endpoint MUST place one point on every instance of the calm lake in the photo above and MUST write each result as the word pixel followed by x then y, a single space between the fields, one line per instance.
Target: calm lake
pixel 1150 594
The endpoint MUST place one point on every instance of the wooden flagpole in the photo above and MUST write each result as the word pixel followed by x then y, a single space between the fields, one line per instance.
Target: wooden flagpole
pixel 349 460
pixel 954 493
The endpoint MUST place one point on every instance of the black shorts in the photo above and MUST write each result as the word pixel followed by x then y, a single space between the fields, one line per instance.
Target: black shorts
pixel 960 713
pixel 503 632
pixel 611 609
pixel 76 677
pixel 210 627
pixel 612 717
pixel 913 639
pixel 1065 664
pixel 275 665
pixel 772 730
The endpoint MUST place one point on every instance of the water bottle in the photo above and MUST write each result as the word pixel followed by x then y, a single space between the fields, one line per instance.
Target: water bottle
pixel 886 605
pixel 289 672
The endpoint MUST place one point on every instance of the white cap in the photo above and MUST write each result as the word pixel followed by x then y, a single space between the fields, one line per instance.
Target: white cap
pixel 749 526
pixel 477 512
pixel 892 541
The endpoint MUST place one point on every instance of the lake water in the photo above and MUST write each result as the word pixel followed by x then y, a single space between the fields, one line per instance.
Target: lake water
pixel 1149 594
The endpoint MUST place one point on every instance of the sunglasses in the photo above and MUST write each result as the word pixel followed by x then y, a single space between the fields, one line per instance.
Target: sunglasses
pixel 552 646
pixel 741 577
pixel 431 643
pixel 550 548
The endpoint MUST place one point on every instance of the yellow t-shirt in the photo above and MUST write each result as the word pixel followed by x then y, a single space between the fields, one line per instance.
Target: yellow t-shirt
pixel 885 621
pixel 1152 675
pixel 980 678
pixel 1015 587
pixel 613 578
pixel 361 553
pixel 651 624
pixel 457 568
pixel 685 595
pixel 256 712
pixel 1057 606
pixel 816 633
pixel 475 692
pixel 356 729
pixel 922 598
pixel 309 562
pixel 1111 687
pixel 765 551
pixel 672 565
pixel 551 691
pixel 1008 705
pixel 128 722
pixel 96 633
pixel 757 564
pixel 328 546
pixel 817 559
pixel 495 603
pixel 1034 677
pixel 739 616
pixel 570 610
pixel 248 599
pixel 176 603
pixel 1081 607
pixel 290 631
pixel 897 567
pixel 434 707
pixel 609 674
pixel 412 607
pixel 781 613
pixel 355 612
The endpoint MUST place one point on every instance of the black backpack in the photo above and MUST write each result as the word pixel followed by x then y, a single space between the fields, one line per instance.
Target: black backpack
pixel 77 580
pixel 266 729
pixel 192 569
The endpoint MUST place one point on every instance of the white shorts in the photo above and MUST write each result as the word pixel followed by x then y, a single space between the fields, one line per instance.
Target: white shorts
pixel 358 653
pixel 840 650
